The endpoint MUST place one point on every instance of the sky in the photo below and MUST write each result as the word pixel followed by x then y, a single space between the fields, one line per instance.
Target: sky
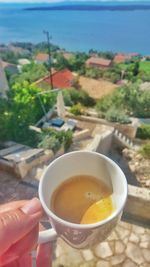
pixel 53 1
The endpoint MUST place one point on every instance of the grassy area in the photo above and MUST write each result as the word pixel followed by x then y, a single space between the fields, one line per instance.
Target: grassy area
pixel 145 66
pixel 124 66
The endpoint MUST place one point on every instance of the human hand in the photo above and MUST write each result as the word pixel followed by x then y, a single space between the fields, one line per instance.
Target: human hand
pixel 19 227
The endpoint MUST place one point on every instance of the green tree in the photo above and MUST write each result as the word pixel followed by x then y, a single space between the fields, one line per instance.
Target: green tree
pixel 73 96
pixel 136 68
pixel 93 73
pixel 30 73
pixel 62 63
pixel 21 110
pixel 77 61
pixel 10 56
pixel 130 99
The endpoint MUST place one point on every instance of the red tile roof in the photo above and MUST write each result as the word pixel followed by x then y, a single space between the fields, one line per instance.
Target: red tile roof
pixel 120 58
pixel 98 61
pixel 42 57
pixel 61 79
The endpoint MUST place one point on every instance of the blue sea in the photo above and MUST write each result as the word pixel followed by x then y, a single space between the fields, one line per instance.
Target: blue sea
pixel 78 30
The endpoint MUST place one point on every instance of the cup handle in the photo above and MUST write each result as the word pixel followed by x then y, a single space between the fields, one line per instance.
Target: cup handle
pixel 47 236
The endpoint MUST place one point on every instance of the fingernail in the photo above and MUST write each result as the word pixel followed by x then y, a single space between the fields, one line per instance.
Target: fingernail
pixel 33 206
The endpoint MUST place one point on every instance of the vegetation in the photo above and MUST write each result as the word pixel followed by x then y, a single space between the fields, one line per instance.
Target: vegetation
pixel 61 62
pixel 77 109
pixel 52 139
pixel 20 111
pixel 107 54
pixel 93 73
pixel 145 151
pixel 129 99
pixel 23 106
pixel 138 70
pixel 12 57
pixel 35 48
pixel 115 115
pixel 73 96
pixel 145 66
pixel 75 63
pixel 143 131
pixel 30 73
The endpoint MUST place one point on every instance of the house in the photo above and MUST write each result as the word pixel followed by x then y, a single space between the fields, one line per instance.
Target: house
pixel 121 58
pixel 41 58
pixel 99 62
pixel 61 79
pixel 3 82
pixel 9 67
pixel 24 61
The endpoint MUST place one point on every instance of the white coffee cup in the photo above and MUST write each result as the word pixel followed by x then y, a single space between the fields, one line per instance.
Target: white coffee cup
pixel 82 163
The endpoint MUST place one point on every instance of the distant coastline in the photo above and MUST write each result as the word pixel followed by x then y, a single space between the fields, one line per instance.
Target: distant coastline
pixel 98 7
pixel 80 26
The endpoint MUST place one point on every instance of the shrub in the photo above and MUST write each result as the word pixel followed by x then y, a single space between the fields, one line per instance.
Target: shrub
pixel 115 115
pixel 67 139
pixel 93 73
pixel 85 99
pixel 52 139
pixel 73 96
pixel 104 104
pixel 143 132
pixel 49 142
pixel 67 98
pixel 77 109
pixel 145 151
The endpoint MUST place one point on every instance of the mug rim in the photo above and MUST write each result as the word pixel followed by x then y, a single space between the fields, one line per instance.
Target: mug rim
pixel 91 225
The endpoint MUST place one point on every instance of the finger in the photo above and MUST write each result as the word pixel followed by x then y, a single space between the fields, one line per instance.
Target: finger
pixel 12 205
pixel 14 225
pixel 44 255
pixel 18 204
pixel 20 248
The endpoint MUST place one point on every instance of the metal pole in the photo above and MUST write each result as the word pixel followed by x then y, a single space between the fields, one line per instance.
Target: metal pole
pixel 49 54
pixel 42 106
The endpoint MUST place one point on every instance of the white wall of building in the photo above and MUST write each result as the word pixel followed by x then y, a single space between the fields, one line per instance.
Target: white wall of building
pixel 3 82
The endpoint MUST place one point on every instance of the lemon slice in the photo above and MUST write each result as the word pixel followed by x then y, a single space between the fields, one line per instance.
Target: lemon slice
pixel 98 211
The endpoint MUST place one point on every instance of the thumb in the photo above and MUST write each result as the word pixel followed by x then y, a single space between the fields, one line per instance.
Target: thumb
pixel 15 224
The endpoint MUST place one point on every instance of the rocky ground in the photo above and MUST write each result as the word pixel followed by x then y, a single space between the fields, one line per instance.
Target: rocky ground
pixel 139 166
pixel 127 246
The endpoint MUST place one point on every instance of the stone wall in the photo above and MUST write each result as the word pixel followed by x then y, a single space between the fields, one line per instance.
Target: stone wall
pixel 101 142
pixel 81 135
pixel 126 129
pixel 105 142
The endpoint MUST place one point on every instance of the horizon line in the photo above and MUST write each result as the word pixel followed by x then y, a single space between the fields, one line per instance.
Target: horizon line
pixel 60 1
